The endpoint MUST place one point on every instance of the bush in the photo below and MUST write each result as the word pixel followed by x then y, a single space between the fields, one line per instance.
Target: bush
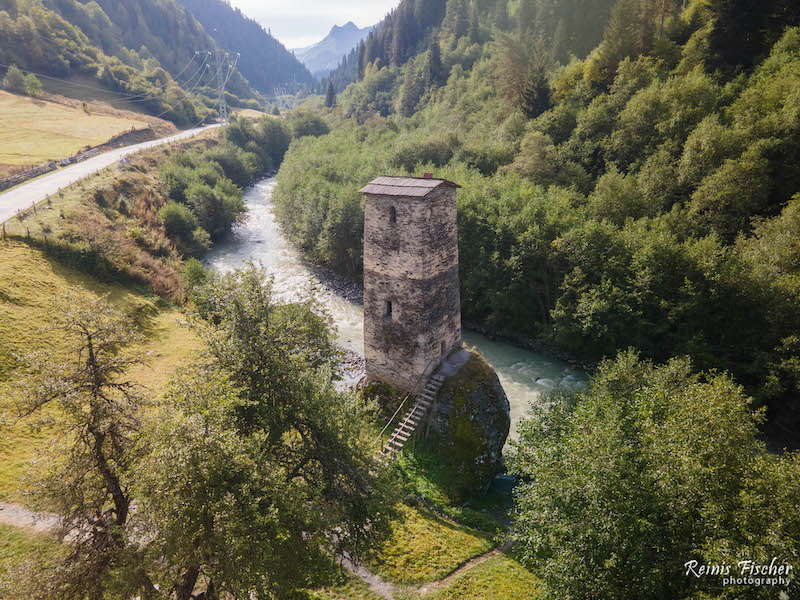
pixel 14 80
pixel 33 86
pixel 177 219
pixel 650 467
pixel 305 123
pixel 193 274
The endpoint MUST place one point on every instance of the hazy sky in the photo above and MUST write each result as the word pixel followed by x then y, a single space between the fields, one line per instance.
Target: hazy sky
pixel 298 23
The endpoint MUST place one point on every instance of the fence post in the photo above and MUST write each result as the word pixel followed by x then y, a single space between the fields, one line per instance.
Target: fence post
pixel 33 204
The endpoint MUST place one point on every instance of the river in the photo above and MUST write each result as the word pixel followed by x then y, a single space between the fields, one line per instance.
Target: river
pixel 525 375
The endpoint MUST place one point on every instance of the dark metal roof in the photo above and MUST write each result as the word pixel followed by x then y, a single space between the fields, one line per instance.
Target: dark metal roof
pixel 405 186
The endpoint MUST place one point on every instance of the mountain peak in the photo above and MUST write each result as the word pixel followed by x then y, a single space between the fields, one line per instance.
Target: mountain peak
pixel 349 26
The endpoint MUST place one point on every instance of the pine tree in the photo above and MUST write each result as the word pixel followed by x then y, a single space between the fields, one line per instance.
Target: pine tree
pixel 330 95
pixel 411 92
pixel 526 15
pixel 456 18
pixel 500 15
pixel 536 96
pixel 399 38
pixel 435 69
pixel 472 24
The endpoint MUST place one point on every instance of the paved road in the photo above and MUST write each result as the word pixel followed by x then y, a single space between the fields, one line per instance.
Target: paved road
pixel 37 190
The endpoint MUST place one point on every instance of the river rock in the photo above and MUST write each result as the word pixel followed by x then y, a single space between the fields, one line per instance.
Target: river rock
pixel 470 421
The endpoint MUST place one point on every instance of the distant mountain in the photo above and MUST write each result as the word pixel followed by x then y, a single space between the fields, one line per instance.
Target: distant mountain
pixel 263 60
pixel 321 58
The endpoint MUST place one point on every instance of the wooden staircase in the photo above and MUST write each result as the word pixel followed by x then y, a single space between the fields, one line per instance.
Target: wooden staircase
pixel 413 418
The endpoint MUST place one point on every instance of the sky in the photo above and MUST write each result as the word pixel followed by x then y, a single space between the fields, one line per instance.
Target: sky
pixel 299 23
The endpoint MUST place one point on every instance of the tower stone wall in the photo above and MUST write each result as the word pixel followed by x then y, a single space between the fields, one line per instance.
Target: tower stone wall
pixel 412 305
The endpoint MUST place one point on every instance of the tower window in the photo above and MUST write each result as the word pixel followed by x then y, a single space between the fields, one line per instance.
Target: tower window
pixel 387 312
pixel 392 215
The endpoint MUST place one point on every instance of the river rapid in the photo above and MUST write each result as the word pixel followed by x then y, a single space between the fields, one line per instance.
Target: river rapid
pixel 525 375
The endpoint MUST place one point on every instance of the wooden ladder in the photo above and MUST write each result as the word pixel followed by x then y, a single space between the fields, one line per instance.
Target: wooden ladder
pixel 409 423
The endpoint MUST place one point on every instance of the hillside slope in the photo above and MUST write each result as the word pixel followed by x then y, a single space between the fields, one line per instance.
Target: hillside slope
pixel 268 66
pixel 324 56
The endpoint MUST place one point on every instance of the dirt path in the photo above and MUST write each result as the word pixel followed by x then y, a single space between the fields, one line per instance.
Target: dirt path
pixel 19 516
pixel 16 515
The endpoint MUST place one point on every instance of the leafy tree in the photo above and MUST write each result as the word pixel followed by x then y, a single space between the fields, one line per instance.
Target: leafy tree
pixel 14 80
pixel 651 466
pixel 267 471
pixel 33 86
pixel 85 476
pixel 330 95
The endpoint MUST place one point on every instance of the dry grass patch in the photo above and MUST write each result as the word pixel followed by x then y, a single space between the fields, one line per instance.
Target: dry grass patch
pixel 499 578
pixel 34 130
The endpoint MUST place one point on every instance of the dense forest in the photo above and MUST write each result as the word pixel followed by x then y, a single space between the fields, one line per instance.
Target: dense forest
pixel 642 193
pixel 263 60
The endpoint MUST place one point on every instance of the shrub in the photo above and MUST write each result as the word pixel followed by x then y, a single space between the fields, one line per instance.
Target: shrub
pixel 193 274
pixel 14 80
pixel 177 219
pixel 33 86
pixel 305 123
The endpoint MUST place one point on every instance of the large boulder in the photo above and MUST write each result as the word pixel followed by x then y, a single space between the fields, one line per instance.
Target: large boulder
pixel 471 420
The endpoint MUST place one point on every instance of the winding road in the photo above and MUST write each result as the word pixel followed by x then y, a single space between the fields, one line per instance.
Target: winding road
pixel 21 197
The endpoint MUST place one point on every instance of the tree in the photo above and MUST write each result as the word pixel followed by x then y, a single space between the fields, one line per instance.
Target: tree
pixel 399 35
pixel 435 68
pixel 266 471
pixel 85 477
pixel 33 86
pixel 456 18
pixel 536 95
pixel 330 95
pixel 14 80
pixel 500 15
pixel 411 92
pixel 648 468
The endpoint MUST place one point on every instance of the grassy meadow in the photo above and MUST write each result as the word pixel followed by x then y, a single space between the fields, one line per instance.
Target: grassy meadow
pixel 29 280
pixel 34 130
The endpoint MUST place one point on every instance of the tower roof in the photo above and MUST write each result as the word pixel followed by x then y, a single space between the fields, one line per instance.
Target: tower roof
pixel 405 186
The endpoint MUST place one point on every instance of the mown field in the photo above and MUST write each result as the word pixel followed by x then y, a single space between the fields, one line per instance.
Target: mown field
pixel 34 130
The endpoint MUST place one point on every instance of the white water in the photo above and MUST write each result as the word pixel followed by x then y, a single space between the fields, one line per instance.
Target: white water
pixel 525 375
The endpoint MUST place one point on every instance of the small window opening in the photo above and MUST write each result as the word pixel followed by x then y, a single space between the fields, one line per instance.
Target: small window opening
pixel 388 309
pixel 392 215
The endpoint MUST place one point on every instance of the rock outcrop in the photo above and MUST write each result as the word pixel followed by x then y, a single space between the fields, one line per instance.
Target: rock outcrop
pixel 470 420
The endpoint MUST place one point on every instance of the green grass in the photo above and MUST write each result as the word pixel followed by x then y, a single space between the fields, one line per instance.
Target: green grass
pixel 426 474
pixel 33 130
pixel 349 588
pixel 18 544
pixel 498 578
pixel 424 547
pixel 29 283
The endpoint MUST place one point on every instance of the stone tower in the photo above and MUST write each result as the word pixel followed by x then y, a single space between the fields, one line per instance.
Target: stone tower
pixel 412 304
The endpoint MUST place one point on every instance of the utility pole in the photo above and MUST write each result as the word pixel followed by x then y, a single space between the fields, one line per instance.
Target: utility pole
pixel 221 79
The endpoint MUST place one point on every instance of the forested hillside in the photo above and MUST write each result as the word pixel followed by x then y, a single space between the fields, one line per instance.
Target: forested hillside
pixel 628 181
pixel 263 60
pixel 152 53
